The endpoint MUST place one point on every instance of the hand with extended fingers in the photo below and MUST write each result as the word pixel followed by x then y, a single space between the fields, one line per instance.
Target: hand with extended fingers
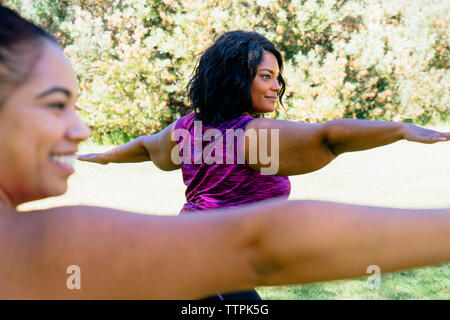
pixel 93 157
pixel 423 135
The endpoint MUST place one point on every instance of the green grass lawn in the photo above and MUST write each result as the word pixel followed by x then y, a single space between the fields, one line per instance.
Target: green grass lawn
pixel 403 174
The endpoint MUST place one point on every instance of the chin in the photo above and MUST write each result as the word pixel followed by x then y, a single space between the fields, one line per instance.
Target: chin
pixel 55 190
pixel 265 110
pixel 268 110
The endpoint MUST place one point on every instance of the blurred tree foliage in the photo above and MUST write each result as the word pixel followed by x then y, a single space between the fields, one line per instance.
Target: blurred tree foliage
pixel 373 59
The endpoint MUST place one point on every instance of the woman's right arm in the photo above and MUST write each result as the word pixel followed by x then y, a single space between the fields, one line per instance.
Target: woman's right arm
pixel 155 147
pixel 131 256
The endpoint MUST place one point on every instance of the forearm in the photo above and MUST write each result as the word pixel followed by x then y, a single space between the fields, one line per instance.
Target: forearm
pixel 318 241
pixel 133 151
pixel 345 135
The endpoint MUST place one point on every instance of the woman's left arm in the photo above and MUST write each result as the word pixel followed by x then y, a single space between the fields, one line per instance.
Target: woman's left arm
pixel 293 148
pixel 345 135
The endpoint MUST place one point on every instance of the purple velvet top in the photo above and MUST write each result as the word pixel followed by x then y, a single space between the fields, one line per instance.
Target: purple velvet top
pixel 218 185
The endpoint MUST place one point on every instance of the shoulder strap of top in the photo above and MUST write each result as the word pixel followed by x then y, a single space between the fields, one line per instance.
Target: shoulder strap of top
pixel 242 121
pixel 185 121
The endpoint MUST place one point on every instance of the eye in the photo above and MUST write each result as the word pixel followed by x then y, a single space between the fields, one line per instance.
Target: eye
pixel 57 105
pixel 266 76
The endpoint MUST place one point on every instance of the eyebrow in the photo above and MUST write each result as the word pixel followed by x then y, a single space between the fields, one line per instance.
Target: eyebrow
pixel 269 70
pixel 54 90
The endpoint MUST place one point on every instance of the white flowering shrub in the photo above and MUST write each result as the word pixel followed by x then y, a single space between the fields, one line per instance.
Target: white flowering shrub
pixel 372 59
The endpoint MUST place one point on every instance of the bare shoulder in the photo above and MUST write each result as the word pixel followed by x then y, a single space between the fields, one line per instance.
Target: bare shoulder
pixel 39 247
pixel 160 146
pixel 263 123
pixel 163 136
pixel 287 126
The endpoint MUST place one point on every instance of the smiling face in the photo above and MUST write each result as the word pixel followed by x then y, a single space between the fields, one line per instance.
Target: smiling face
pixel 265 86
pixel 40 130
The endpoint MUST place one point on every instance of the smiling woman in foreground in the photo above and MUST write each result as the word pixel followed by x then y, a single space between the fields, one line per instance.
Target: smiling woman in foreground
pixel 124 255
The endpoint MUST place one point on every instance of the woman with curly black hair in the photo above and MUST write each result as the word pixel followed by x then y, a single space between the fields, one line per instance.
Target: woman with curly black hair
pixel 224 82
pixel 228 154
pixel 124 255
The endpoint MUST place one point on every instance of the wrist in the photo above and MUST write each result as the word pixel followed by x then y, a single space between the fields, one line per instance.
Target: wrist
pixel 402 129
pixel 104 158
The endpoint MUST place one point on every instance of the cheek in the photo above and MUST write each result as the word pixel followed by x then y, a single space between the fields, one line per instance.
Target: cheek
pixel 52 130
pixel 257 91
pixel 20 159
pixel 51 135
pixel 19 145
pixel 42 139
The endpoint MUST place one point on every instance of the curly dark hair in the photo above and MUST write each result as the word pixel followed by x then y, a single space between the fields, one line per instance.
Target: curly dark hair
pixel 220 87
pixel 20 43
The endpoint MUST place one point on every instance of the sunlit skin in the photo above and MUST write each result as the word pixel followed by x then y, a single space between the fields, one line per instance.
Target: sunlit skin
pixel 38 121
pixel 123 255
pixel 265 86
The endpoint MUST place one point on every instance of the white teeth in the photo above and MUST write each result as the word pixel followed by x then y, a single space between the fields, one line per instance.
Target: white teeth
pixel 64 160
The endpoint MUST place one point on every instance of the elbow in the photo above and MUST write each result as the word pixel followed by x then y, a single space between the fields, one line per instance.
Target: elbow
pixel 279 240
pixel 331 137
pixel 333 148
pixel 147 145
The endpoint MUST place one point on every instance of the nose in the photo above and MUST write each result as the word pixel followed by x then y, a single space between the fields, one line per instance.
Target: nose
pixel 77 131
pixel 276 85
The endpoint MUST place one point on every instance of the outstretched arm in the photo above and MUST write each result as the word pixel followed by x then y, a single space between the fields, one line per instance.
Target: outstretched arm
pixel 130 256
pixel 345 135
pixel 156 147
pixel 133 151
pixel 297 148
pixel 338 241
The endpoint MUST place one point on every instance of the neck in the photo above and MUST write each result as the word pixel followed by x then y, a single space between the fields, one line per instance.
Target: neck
pixel 4 199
